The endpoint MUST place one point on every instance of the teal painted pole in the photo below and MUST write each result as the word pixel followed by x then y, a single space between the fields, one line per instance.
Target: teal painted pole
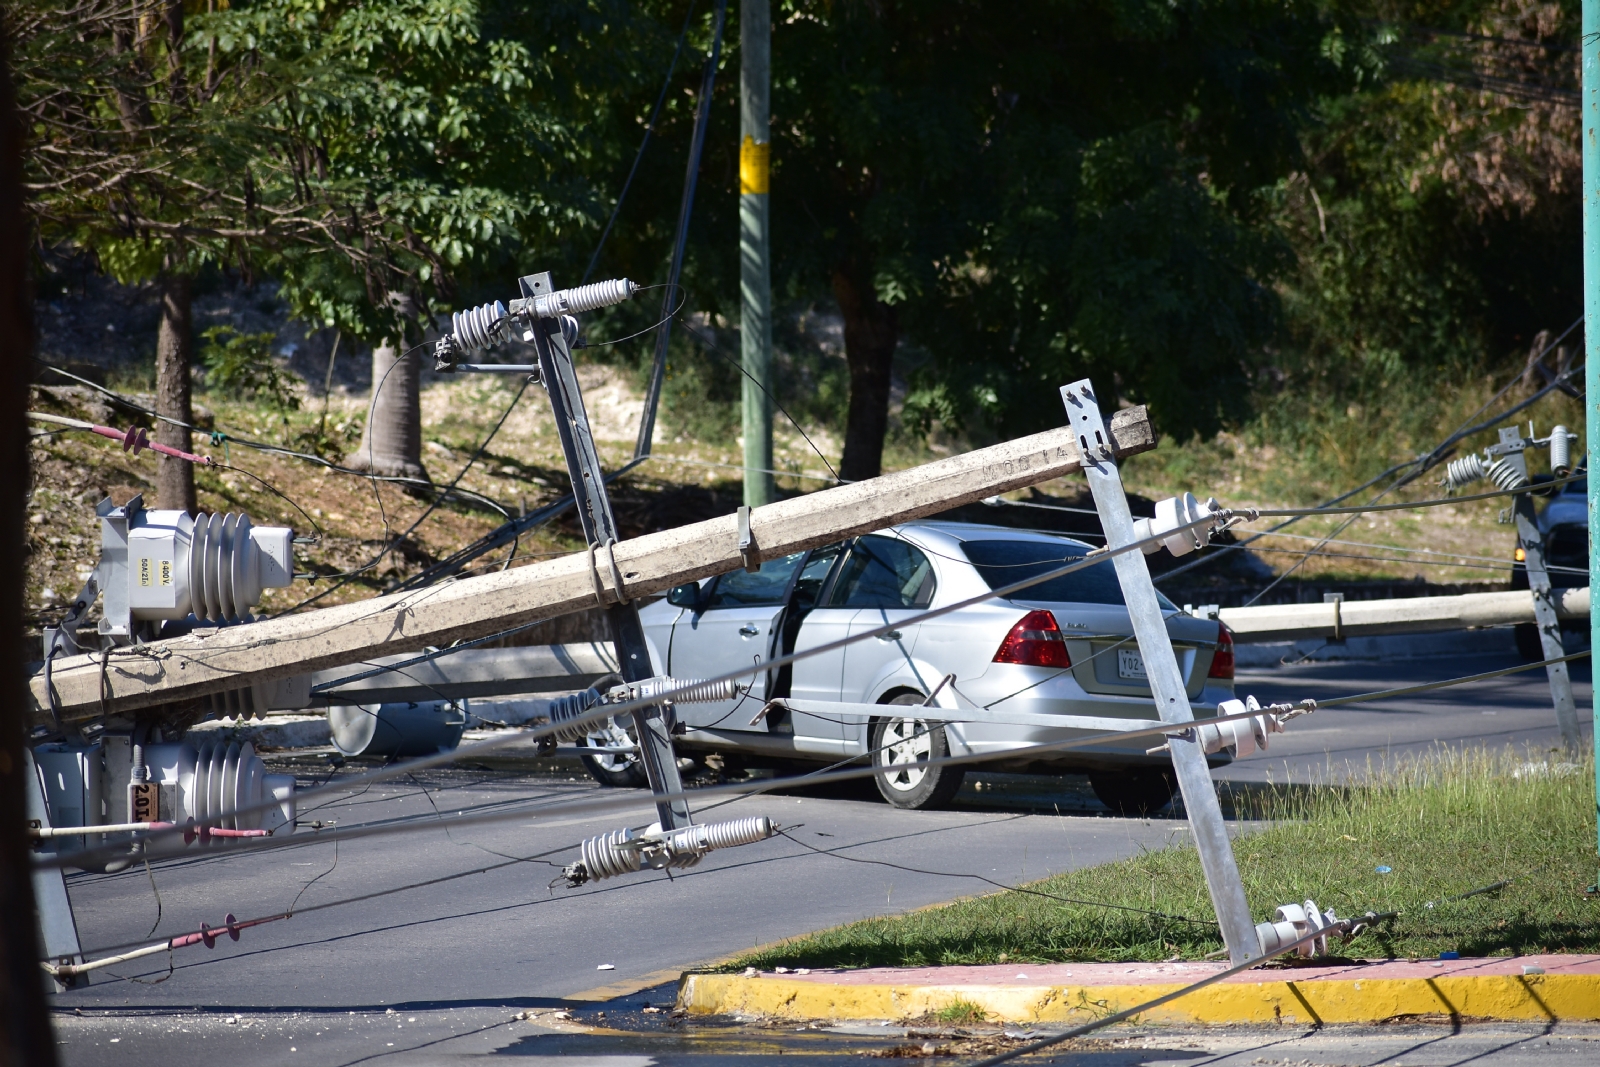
pixel 755 245
pixel 1591 328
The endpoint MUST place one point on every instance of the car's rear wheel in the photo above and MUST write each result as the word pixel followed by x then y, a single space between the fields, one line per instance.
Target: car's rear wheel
pixel 1135 790
pixel 902 748
pixel 619 770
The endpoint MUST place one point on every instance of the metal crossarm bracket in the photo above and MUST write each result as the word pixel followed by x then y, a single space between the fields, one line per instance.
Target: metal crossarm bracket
pixel 1549 624
pixel 600 530
pixel 1166 680
pixel 748 550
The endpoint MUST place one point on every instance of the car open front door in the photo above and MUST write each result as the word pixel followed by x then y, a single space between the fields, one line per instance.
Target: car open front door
pixel 737 626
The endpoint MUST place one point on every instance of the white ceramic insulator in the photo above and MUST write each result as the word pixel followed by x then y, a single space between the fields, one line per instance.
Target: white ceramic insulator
pixel 564 709
pixel 1172 515
pixel 479 327
pixel 704 838
pixel 1464 471
pixel 584 298
pixel 1561 451
pixel 1294 921
pixel 624 852
pixel 679 690
pixel 1244 736
pixel 231 563
pixel 1505 475
pixel 602 856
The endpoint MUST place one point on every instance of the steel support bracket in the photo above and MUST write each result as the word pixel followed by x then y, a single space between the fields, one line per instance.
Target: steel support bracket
pixel 652 724
pixel 748 550
pixel 1161 665
pixel 1549 624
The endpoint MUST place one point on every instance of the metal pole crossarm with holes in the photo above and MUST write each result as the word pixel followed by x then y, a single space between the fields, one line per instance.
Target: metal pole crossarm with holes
pixel 1166 680
pixel 185 668
pixel 651 727
pixel 1590 115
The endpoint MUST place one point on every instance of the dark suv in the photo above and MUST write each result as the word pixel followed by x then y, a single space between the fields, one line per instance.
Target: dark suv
pixel 1564 525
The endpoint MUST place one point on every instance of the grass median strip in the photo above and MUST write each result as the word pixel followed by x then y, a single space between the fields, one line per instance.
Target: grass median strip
pixel 1413 837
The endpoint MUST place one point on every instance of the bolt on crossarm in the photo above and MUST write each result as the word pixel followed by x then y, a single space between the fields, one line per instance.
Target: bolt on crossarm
pixel 1590 45
pixel 1161 665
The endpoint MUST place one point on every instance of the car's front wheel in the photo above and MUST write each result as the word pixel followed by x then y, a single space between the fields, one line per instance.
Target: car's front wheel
pixel 1135 790
pixel 621 769
pixel 902 748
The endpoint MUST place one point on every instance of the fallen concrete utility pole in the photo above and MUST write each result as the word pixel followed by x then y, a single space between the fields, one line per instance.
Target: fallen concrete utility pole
pixel 85 687
pixel 1367 618
pixel 475 672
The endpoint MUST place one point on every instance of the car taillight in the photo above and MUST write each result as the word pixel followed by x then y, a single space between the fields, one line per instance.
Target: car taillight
pixel 1222 661
pixel 1036 641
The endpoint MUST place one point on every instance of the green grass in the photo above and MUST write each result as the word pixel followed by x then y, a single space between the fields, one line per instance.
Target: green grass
pixel 1445 825
pixel 960 1013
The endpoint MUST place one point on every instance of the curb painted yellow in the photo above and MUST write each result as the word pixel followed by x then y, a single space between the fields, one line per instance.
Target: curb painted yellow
pixel 1537 997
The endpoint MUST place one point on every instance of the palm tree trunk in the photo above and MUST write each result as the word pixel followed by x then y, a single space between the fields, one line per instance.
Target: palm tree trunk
pixel 391 441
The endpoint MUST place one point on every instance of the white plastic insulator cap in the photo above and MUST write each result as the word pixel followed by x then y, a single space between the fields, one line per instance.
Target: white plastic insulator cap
pixel 1172 515
pixel 584 298
pixel 1244 736
pixel 1294 921
pixel 1561 451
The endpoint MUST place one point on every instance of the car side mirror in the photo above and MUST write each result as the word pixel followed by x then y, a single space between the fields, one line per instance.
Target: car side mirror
pixel 684 596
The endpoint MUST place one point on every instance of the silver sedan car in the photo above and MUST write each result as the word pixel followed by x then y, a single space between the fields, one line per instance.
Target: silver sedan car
pixel 1061 649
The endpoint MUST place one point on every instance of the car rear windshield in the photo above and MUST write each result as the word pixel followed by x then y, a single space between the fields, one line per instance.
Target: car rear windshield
pixel 1003 563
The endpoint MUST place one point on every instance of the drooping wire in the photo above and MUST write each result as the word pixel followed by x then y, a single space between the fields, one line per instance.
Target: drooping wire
pixel 395 542
pixel 712 344
pixel 1414 467
pixel 683 298
pixel 839 854
pixel 650 128
pixel 766 786
pixel 1004 592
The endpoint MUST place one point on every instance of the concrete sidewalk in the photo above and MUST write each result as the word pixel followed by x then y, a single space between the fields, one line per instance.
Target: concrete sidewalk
pixel 1537 988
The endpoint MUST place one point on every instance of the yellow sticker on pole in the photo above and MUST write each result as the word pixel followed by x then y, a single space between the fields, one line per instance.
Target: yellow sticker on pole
pixel 755 161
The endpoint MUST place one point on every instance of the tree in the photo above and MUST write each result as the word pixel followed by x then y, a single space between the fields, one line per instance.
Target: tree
pixel 350 150
pixel 25 1036
pixel 1026 193
pixel 1437 224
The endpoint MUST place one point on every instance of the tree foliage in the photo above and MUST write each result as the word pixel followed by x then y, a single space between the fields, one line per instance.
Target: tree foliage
pixel 350 148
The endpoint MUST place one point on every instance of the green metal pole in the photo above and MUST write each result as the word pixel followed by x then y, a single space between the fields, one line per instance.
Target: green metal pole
pixel 755 245
pixel 1591 323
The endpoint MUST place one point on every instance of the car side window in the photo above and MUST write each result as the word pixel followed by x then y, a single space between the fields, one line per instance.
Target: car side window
pixel 884 572
pixel 769 585
pixel 815 575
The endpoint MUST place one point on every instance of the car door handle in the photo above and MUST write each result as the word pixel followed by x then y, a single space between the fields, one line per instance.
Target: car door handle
pixel 749 630
pixel 892 635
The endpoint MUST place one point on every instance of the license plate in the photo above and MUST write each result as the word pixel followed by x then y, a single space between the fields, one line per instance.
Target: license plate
pixel 1130 664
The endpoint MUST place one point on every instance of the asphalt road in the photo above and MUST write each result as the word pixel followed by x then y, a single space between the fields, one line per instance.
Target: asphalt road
pixel 1510 713
pixel 465 953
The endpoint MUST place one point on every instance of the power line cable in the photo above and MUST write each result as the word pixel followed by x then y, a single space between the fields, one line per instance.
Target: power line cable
pixel 397 541
pixel 713 346
pixel 600 713
pixel 644 800
pixel 609 711
pixel 1421 463
pixel 838 854
pixel 650 128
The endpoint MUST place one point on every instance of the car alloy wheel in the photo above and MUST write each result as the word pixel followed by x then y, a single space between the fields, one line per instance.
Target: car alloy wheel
pixel 621 769
pixel 902 749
